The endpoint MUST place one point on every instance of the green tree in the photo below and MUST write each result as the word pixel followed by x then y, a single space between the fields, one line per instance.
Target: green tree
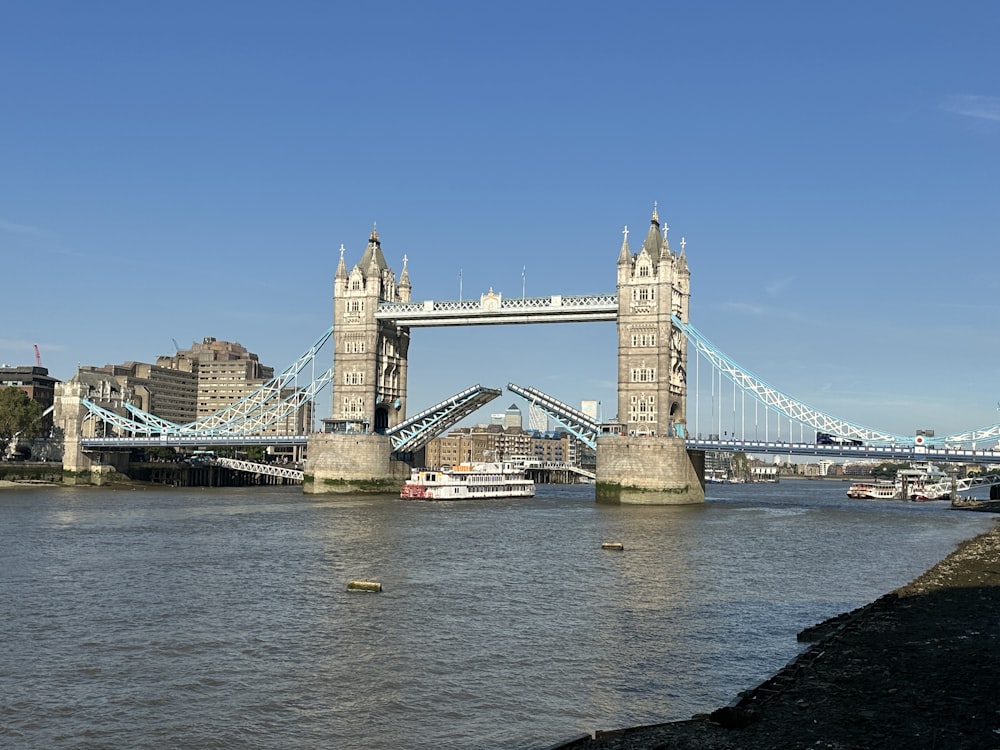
pixel 256 453
pixel 162 452
pixel 888 469
pixel 739 467
pixel 19 416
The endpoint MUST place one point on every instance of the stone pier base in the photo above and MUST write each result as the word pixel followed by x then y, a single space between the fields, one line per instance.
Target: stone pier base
pixel 79 466
pixel 352 463
pixel 649 471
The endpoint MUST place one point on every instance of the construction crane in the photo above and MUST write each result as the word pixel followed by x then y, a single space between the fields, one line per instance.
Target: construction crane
pixel 38 356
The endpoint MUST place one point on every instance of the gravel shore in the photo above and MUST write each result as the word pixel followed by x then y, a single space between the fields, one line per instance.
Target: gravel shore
pixel 918 668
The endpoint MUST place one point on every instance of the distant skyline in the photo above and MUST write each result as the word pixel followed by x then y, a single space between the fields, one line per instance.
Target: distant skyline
pixel 177 171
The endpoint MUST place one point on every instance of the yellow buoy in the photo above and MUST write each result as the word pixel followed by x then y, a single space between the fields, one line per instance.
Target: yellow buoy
pixel 373 586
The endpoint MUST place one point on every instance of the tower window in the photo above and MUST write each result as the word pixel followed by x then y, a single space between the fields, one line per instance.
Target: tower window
pixel 643 339
pixel 354 347
pixel 643 375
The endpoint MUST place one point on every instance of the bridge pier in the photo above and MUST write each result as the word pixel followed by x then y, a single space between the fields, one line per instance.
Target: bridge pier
pixel 649 471
pixel 352 463
pixel 80 467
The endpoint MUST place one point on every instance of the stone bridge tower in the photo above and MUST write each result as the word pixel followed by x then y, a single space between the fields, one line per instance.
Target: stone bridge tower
pixel 648 462
pixel 369 384
pixel 653 284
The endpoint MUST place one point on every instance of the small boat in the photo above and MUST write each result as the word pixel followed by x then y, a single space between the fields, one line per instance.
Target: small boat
pixel 473 481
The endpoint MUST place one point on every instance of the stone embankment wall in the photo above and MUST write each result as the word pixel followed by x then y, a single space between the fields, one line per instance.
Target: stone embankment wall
pixel 28 471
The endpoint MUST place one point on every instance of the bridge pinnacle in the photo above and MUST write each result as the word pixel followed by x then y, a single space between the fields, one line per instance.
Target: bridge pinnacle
pixel 625 254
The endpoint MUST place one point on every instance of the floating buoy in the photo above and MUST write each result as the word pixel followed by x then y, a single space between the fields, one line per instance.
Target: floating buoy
pixel 373 586
pixel 613 545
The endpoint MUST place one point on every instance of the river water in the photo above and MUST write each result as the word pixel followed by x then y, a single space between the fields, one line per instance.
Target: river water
pixel 220 618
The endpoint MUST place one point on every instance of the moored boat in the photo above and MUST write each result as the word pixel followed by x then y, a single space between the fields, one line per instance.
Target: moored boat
pixel 879 490
pixel 473 481
pixel 921 482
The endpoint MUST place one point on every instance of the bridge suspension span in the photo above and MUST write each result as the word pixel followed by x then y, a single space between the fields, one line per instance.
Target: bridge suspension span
pixel 783 404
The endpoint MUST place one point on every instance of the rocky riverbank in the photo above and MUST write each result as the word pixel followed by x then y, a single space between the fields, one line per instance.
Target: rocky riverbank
pixel 918 668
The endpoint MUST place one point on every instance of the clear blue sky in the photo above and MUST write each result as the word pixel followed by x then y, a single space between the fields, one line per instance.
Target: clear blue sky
pixel 188 169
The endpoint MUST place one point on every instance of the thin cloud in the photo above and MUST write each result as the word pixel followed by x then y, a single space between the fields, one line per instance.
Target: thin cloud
pixel 744 308
pixel 14 228
pixel 15 345
pixel 972 105
pixel 778 286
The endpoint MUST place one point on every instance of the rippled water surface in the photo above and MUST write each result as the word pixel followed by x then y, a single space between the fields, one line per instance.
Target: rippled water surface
pixel 208 618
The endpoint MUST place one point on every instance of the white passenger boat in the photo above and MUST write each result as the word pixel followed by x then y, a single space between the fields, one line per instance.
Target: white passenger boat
pixel 922 481
pixel 879 490
pixel 468 482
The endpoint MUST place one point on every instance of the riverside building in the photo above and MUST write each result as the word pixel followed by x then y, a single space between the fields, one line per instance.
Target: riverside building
pixel 36 382
pixel 495 442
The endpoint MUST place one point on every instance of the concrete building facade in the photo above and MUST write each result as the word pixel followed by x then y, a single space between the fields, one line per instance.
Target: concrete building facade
pixel 225 372
pixel 168 393
pixel 495 442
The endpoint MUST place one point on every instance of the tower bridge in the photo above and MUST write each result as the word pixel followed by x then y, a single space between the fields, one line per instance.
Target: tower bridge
pixel 374 314
pixel 649 455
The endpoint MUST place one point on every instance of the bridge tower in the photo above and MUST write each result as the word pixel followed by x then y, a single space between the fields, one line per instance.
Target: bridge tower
pixel 369 384
pixel 369 381
pixel 653 284
pixel 649 463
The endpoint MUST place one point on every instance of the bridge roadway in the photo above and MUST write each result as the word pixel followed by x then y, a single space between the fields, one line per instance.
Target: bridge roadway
pixel 191 441
pixel 897 453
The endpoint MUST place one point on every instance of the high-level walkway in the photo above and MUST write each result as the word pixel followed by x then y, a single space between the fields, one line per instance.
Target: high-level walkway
pixel 493 309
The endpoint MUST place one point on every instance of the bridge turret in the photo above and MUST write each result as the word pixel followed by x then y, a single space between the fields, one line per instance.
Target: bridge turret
pixel 341 275
pixel 404 283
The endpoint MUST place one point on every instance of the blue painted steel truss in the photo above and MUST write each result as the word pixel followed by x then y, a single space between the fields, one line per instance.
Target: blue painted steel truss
pixel 575 421
pixel 417 431
pixel 275 401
